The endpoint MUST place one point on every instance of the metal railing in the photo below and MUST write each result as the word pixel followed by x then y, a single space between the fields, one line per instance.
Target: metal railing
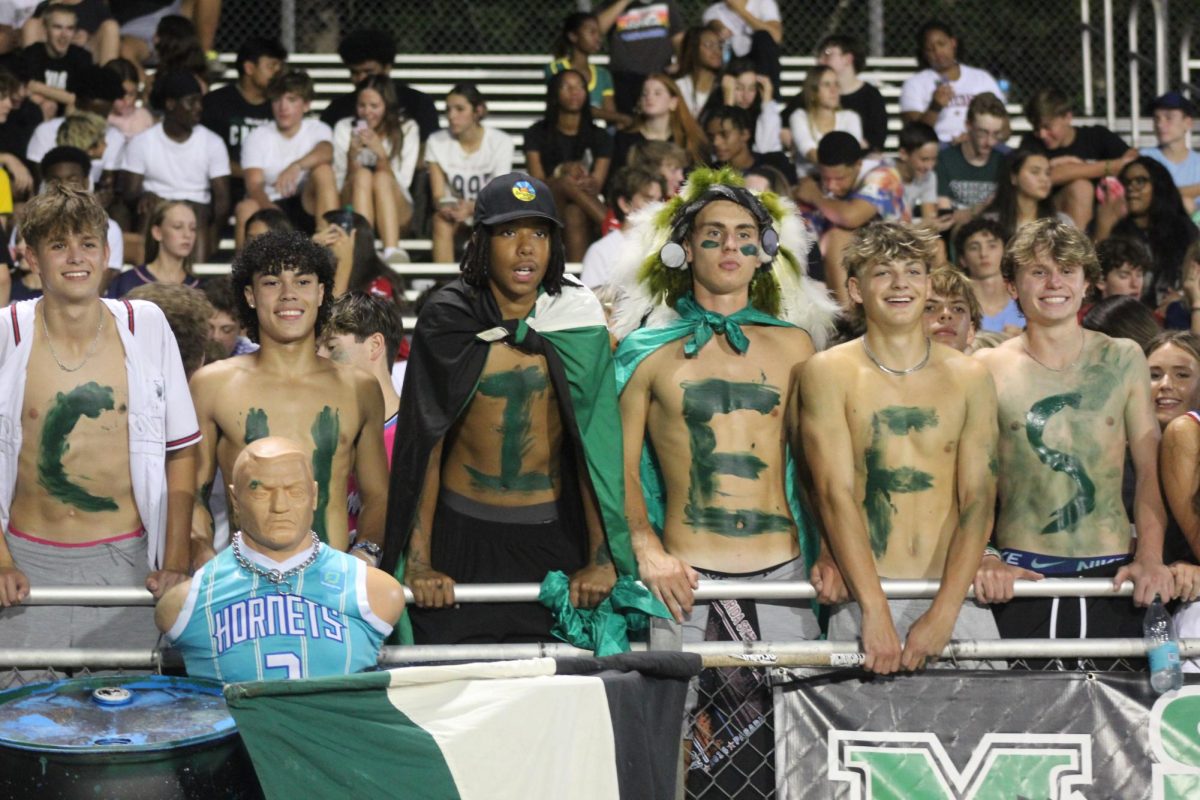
pixel 716 654
pixel 708 590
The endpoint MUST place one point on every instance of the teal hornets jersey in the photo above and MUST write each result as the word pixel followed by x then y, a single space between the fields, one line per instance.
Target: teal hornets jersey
pixel 238 626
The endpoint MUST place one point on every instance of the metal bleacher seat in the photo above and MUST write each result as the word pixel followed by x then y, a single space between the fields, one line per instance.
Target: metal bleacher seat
pixel 515 89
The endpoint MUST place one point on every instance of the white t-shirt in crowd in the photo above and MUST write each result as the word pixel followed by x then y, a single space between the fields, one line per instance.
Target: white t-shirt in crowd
pixel 15 13
pixel 44 139
pixel 920 191
pixel 467 173
pixel 600 258
pixel 804 138
pixel 116 245
pixel 404 163
pixel 766 10
pixel 918 90
pixel 177 170
pixel 768 128
pixel 692 97
pixel 267 149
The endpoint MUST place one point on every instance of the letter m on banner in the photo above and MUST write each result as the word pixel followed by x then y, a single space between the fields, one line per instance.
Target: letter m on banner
pixel 1003 766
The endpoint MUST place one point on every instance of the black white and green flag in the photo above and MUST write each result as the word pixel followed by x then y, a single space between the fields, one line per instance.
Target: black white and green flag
pixel 579 728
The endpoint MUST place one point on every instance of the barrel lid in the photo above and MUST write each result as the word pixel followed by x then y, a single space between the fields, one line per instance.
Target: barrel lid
pixel 132 713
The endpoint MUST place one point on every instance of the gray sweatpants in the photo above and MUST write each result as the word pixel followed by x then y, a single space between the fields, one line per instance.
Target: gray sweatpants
pixel 778 620
pixel 120 563
pixel 974 621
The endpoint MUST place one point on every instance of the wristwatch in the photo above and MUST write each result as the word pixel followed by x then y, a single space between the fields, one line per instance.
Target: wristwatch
pixel 370 548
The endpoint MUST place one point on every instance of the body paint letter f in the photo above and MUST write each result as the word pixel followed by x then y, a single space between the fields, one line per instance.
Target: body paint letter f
pixel 881 481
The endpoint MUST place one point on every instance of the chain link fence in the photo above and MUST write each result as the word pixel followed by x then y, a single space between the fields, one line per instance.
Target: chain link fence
pixel 729 750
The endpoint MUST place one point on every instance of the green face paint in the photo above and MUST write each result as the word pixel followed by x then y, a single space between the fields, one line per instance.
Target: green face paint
pixel 710 244
pixel 1084 501
pixel 703 400
pixel 517 388
pixel 882 482
pixel 88 400
pixel 324 432
pixel 256 425
pixel 749 249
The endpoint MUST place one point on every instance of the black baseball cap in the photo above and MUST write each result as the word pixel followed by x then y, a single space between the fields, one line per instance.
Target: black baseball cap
pixel 1174 101
pixel 515 196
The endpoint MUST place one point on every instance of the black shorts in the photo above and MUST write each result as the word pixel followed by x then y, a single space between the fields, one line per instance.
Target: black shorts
pixel 294 208
pixel 472 546
pixel 1071 617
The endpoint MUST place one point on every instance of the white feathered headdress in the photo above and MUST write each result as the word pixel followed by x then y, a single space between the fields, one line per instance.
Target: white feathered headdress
pixel 644 289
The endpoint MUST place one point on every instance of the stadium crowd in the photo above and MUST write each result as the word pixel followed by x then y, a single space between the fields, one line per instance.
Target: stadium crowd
pixel 980 362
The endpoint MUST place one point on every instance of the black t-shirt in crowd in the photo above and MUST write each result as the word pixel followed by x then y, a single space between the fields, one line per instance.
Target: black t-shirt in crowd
pixel 414 104
pixel 17 130
pixel 55 72
pixel 229 115
pixel 555 147
pixel 1091 143
pixel 639 41
pixel 867 102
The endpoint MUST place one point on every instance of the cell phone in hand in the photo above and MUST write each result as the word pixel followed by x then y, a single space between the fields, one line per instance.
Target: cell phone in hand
pixel 360 126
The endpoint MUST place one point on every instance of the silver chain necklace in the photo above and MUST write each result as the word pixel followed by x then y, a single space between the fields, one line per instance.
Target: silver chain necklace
pixel 273 576
pixel 1073 362
pixel 91 351
pixel 898 372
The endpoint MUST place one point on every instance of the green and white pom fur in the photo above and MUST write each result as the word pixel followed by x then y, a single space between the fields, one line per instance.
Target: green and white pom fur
pixel 643 288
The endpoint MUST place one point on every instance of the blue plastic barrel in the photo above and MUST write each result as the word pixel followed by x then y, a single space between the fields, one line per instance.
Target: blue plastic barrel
pixel 127 737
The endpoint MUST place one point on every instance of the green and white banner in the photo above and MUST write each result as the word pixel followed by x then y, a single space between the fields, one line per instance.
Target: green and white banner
pixel 585 729
pixel 993 735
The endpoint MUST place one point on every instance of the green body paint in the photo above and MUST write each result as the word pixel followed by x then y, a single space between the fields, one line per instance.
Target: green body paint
pixel 882 482
pixel 325 438
pixel 702 400
pixel 88 400
pixel 517 388
pixel 256 425
pixel 203 495
pixel 1084 501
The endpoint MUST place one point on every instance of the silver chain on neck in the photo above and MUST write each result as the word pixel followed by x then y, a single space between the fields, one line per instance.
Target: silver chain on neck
pixel 898 372
pixel 273 576
pixel 1044 365
pixel 91 351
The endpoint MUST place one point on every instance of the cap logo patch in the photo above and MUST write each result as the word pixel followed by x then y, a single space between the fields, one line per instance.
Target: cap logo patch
pixel 524 191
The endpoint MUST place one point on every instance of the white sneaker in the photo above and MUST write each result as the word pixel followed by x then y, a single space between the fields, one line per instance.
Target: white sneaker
pixel 393 256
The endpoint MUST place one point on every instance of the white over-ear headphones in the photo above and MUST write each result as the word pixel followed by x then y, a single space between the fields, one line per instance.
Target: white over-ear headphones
pixel 672 254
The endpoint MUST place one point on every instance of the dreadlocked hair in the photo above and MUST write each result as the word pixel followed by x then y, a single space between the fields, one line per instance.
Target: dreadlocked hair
pixel 478 257
pixel 666 284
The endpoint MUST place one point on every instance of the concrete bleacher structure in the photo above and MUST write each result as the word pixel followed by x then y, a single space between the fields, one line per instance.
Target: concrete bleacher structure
pixel 515 89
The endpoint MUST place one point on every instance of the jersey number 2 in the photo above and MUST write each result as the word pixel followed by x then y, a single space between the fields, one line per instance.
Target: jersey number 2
pixel 287 661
